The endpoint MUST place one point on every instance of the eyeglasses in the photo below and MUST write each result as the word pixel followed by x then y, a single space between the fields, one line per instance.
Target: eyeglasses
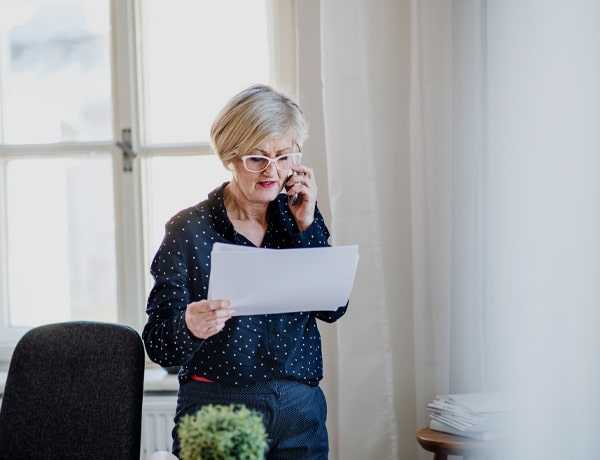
pixel 258 163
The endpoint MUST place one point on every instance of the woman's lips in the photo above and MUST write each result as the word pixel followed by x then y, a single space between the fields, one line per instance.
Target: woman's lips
pixel 268 183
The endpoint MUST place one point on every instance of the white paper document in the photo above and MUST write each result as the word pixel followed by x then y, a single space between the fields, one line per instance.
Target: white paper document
pixel 260 281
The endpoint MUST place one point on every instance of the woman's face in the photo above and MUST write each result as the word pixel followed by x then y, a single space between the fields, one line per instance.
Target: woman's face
pixel 264 186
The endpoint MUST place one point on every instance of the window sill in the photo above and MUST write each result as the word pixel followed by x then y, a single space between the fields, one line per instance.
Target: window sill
pixel 155 381
pixel 159 381
pixel 3 375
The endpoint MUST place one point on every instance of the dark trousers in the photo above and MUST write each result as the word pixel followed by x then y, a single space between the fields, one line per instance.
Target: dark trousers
pixel 294 414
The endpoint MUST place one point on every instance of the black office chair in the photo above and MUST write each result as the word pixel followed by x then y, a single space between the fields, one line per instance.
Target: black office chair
pixel 74 390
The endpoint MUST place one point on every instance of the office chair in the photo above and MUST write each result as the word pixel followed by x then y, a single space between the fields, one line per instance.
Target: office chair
pixel 74 390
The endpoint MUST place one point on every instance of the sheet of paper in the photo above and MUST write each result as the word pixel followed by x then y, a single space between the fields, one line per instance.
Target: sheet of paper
pixel 261 281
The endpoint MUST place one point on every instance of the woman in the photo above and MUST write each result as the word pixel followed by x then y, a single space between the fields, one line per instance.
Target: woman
pixel 270 363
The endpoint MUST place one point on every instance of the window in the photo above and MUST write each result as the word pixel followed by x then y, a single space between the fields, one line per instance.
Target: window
pixel 79 225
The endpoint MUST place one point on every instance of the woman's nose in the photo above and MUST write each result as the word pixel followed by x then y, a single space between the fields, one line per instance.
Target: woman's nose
pixel 268 170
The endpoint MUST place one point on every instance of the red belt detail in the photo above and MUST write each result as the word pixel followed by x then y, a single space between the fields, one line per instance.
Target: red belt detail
pixel 201 379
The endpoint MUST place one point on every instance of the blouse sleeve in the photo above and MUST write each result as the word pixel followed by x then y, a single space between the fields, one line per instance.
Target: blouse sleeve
pixel 167 339
pixel 316 235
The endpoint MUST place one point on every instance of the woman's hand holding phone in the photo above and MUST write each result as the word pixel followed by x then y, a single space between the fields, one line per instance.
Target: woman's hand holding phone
pixel 301 189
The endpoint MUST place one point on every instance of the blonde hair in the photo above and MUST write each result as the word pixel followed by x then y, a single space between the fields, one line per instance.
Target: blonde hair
pixel 253 115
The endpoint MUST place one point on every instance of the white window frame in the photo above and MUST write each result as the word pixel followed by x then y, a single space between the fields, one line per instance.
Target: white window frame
pixel 132 263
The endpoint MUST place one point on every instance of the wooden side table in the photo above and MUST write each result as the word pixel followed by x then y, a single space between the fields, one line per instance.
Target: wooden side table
pixel 444 444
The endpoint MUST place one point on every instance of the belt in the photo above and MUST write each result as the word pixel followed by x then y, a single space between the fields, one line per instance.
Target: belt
pixel 201 379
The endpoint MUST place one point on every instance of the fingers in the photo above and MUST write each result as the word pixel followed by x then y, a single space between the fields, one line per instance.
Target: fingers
pixel 302 182
pixel 207 317
pixel 304 185
pixel 303 171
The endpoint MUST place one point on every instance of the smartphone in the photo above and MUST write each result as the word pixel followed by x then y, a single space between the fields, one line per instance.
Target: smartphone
pixel 294 198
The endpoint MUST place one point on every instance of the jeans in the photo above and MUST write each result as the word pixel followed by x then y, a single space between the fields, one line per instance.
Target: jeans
pixel 294 414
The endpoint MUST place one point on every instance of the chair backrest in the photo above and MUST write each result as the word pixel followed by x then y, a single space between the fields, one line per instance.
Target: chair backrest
pixel 74 390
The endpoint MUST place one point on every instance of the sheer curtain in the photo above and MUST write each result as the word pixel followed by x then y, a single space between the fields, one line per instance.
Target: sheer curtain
pixel 405 183
pixel 365 106
pixel 462 152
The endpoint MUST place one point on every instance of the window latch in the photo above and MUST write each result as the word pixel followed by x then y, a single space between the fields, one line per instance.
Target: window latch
pixel 127 147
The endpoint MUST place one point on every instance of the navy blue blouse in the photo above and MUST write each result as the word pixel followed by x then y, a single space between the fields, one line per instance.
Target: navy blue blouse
pixel 249 349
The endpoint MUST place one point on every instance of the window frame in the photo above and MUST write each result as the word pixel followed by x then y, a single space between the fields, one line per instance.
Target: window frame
pixel 129 188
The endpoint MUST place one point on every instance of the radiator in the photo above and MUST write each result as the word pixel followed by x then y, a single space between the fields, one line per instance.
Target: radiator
pixel 157 423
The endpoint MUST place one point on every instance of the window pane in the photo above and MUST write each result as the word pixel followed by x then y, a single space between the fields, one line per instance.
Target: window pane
pixel 61 240
pixel 55 73
pixel 175 183
pixel 196 54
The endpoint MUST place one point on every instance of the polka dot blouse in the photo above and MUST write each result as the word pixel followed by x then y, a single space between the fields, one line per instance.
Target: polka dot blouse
pixel 249 349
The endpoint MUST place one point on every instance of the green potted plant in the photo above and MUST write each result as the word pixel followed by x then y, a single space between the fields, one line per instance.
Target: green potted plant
pixel 218 432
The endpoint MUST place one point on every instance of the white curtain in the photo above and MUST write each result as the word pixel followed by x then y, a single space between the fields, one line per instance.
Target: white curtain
pixel 401 191
pixel 364 97
pixel 462 154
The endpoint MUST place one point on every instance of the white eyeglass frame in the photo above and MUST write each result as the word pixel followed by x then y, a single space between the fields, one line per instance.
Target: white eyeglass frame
pixel 271 160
